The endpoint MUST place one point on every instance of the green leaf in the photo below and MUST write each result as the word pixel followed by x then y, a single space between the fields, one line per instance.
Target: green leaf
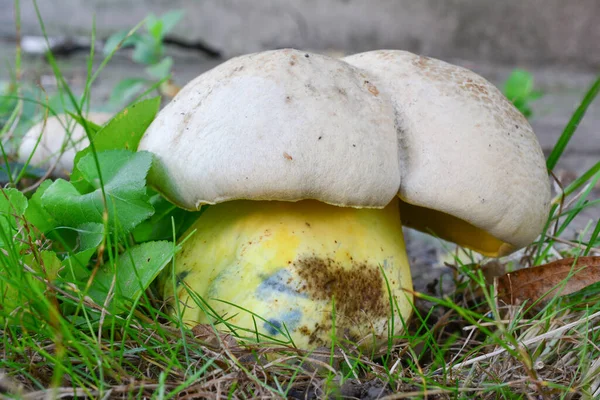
pixel 155 28
pixel 126 89
pixel 90 235
pixel 170 20
pixel 147 51
pixel 126 128
pixel 49 266
pixel 519 85
pixel 536 94
pixel 74 267
pixel 161 69
pixel 159 226
pixel 123 131
pixel 124 174
pixel 134 271
pixel 36 214
pixel 119 38
pixel 92 127
pixel 12 206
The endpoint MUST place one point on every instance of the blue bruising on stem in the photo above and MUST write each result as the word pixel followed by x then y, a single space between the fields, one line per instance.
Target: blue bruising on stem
pixel 278 284
pixel 388 263
pixel 179 278
pixel 290 319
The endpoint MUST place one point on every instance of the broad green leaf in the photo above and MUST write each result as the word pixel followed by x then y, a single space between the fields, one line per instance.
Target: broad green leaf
pixel 155 28
pixel 74 267
pixel 126 128
pixel 12 205
pixel 113 42
pixel 126 89
pixel 124 131
pixel 518 85
pixel 117 38
pixel 146 51
pixel 91 126
pixel 36 214
pixel 161 69
pixel 159 226
pixel 170 20
pixel 124 174
pixel 90 235
pixel 536 94
pixel 49 266
pixel 134 271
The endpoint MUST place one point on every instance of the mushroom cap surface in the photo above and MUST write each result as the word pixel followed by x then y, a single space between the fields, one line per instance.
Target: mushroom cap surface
pixel 466 153
pixel 55 145
pixel 278 125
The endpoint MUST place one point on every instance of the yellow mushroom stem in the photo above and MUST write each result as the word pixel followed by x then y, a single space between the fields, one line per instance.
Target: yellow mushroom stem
pixel 279 267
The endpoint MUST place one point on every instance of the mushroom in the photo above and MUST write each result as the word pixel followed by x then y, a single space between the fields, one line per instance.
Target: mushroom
pixel 61 138
pixel 307 161
pixel 473 171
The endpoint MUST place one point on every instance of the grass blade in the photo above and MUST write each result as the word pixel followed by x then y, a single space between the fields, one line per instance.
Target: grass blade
pixel 571 127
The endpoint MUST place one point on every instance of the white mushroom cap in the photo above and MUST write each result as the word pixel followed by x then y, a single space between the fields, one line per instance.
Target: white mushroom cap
pixel 465 150
pixel 277 125
pixel 61 139
pixel 288 125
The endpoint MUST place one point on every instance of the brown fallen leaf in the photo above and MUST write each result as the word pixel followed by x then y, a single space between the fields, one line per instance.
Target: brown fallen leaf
pixel 558 278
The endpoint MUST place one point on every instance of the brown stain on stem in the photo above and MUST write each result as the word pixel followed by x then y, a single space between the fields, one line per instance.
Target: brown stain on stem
pixel 358 291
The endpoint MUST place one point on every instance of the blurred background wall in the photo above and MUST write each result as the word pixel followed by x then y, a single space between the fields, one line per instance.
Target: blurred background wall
pixel 565 32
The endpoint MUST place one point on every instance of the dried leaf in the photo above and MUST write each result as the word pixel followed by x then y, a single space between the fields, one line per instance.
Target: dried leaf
pixel 558 278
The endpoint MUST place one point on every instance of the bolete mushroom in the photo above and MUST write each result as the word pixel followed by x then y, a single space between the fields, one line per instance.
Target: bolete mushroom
pixel 473 171
pixel 60 138
pixel 309 164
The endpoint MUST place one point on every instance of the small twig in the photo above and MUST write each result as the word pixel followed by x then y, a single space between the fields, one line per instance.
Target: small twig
pixel 502 321
pixel 573 244
pixel 104 312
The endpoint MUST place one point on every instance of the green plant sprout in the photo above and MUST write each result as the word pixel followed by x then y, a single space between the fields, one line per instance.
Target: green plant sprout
pixel 519 88
pixel 148 50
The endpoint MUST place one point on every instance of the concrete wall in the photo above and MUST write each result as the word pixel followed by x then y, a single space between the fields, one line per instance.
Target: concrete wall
pixel 506 31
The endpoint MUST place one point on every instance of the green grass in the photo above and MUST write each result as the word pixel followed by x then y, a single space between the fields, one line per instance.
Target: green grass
pixel 61 338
